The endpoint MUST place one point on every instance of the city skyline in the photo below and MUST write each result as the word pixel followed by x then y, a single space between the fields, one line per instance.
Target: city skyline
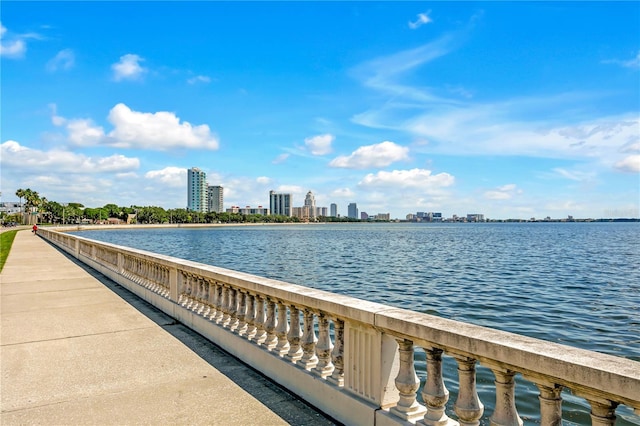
pixel 511 109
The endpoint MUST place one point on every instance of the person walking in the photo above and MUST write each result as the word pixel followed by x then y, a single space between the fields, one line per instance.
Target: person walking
pixel 35 229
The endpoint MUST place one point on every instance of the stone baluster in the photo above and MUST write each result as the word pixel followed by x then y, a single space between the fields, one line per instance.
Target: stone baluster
pixel 204 295
pixel 219 317
pixel 211 300
pixel 226 317
pixel 242 313
pixel 408 408
pixel 550 403
pixel 282 348
pixel 435 393
pixel 261 334
pixel 468 407
pixel 192 292
pixel 186 289
pixel 603 411
pixel 324 346
pixel 309 358
pixel 505 413
pixel 250 316
pixel 270 325
pixel 337 354
pixel 233 309
pixel 294 335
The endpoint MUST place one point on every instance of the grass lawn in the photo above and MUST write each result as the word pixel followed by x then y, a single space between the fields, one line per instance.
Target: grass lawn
pixel 6 240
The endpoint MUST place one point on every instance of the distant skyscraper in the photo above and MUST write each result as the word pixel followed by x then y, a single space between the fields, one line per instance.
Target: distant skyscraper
pixel 334 210
pixel 310 204
pixel 216 199
pixel 352 211
pixel 280 204
pixel 196 190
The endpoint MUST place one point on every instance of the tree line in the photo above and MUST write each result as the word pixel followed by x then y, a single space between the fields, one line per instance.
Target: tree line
pixel 53 212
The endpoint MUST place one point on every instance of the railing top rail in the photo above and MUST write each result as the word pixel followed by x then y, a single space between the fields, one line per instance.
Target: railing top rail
pixel 601 375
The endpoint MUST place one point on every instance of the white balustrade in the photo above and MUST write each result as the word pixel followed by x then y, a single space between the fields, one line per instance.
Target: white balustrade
pixel 368 377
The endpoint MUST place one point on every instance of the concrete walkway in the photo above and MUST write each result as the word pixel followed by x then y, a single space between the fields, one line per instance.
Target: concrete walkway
pixel 77 349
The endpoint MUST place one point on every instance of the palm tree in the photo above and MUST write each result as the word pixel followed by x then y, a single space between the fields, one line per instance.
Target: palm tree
pixel 20 193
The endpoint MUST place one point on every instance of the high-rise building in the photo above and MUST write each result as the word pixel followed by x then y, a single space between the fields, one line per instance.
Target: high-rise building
pixel 216 199
pixel 310 205
pixel 196 190
pixel 334 210
pixel 280 204
pixel 352 211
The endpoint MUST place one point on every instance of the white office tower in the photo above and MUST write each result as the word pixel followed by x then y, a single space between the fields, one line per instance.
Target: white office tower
pixel 310 206
pixel 216 198
pixel 196 190
pixel 280 204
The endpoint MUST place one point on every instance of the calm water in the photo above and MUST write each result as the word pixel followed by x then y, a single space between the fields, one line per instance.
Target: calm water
pixel 572 283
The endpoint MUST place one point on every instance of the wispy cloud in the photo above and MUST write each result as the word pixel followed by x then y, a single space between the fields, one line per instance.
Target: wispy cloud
pixel 378 155
pixel 64 60
pixel 280 158
pixel 505 192
pixel 199 79
pixel 423 18
pixel 320 144
pixel 128 68
pixel 627 63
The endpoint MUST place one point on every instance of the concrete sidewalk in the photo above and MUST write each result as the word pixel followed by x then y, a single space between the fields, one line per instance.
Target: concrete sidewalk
pixel 77 349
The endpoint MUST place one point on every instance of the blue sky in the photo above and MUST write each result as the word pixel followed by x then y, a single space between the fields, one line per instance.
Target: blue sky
pixel 509 109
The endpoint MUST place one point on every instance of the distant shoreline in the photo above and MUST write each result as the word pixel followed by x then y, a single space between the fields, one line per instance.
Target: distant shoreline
pixel 69 227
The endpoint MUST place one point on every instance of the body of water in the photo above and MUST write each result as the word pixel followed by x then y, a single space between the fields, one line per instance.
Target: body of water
pixel 572 283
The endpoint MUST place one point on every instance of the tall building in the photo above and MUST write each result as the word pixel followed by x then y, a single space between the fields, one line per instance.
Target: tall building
pixel 352 211
pixel 196 190
pixel 310 205
pixel 216 199
pixel 280 204
pixel 334 210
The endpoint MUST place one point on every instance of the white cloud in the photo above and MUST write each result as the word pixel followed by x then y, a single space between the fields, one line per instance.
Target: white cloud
pixel 263 180
pixel 414 178
pixel 505 192
pixel 132 129
pixel 199 79
pixel 320 144
pixel 26 160
pixel 378 155
pixel 55 118
pixel 128 68
pixel 160 130
pixel 343 193
pixel 175 177
pixel 423 18
pixel 630 164
pixel 14 48
pixel 64 60
pixel 83 132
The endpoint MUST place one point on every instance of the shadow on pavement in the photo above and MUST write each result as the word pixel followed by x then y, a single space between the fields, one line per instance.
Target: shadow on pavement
pixel 278 399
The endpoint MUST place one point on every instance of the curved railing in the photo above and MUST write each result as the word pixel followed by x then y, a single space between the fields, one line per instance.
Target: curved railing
pixel 354 359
